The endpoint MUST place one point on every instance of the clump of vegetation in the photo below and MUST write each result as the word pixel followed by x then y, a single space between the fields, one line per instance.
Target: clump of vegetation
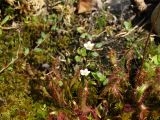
pixel 67 66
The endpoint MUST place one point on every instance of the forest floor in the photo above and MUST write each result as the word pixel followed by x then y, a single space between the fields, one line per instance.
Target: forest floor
pixel 100 65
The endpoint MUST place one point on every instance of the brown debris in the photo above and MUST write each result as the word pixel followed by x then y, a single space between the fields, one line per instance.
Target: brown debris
pixel 141 5
pixel 88 5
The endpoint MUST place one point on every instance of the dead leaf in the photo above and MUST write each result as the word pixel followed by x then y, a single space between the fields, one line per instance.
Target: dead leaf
pixel 59 8
pixel 88 5
pixel 11 2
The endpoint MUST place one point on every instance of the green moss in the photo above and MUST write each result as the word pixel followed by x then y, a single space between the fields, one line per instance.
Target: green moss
pixel 14 90
pixel 26 89
pixel 63 41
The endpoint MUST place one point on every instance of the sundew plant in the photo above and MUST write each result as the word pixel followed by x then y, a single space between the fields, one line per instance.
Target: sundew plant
pixel 56 63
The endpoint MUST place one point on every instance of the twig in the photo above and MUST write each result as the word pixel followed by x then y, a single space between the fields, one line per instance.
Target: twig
pixel 100 33
pixel 7 28
pixel 130 31
pixel 12 61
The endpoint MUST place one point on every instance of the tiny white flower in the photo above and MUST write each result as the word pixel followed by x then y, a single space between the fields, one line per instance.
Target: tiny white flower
pixel 89 45
pixel 84 72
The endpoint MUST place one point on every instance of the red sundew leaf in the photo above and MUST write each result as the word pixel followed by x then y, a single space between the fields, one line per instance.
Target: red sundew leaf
pixel 83 114
pixel 51 117
pixel 95 115
pixel 61 116
pixel 127 108
pixel 144 112
pixel 116 91
pixel 83 117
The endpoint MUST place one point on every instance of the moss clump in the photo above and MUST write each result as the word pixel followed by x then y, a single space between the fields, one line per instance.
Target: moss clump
pixel 63 42
pixel 17 104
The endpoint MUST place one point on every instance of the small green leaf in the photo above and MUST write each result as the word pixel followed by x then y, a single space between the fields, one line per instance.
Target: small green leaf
pixel 140 91
pixel 156 59
pixel 94 74
pixel 105 82
pixel 92 82
pixel 147 65
pixel 7 18
pixel 80 29
pixel 10 68
pixel 43 35
pixel 99 45
pixel 68 60
pixel 100 77
pixel 54 28
pixel 38 50
pixel 127 25
pixel 39 41
pixel 26 51
pixel 78 58
pixel 94 54
pixel 82 52
pixel 60 83
pixel 84 35
pixel 89 37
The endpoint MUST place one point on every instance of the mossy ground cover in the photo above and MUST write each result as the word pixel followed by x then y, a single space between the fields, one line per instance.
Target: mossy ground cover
pixel 42 59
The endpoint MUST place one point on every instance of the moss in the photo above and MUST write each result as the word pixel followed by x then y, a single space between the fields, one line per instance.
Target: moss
pixel 63 42
pixel 29 91
pixel 14 90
